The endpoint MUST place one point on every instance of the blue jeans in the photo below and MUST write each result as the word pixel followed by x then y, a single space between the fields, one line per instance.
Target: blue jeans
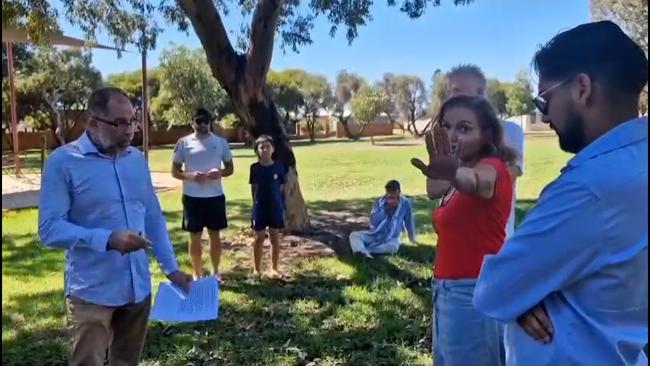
pixel 461 335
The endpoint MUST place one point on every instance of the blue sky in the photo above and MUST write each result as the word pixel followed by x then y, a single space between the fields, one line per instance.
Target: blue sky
pixel 501 36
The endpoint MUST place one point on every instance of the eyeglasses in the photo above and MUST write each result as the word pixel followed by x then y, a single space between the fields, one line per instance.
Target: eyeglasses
pixel 118 122
pixel 542 102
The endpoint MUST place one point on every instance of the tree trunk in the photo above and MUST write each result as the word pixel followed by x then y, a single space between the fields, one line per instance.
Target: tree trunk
pixel 59 130
pixel 311 127
pixel 243 77
pixel 346 127
pixel 363 129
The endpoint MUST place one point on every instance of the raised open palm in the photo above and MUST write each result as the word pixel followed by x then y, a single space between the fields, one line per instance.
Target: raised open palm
pixel 443 163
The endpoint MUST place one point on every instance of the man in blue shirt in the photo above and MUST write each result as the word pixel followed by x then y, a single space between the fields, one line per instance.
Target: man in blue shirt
pixel 572 283
pixel 389 215
pixel 98 203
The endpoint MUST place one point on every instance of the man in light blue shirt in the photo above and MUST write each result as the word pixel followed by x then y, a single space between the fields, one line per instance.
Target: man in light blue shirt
pixel 98 203
pixel 389 216
pixel 572 283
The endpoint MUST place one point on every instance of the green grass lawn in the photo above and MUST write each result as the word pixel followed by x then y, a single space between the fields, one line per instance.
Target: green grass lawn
pixel 339 311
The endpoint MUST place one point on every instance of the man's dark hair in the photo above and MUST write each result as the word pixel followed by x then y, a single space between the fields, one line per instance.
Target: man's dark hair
pixel 98 100
pixel 392 186
pixel 467 70
pixel 202 113
pixel 601 50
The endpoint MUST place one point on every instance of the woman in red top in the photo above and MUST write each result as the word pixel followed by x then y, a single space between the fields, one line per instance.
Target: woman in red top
pixel 466 149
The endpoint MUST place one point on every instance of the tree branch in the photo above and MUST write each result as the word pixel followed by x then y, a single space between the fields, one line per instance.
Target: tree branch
pixel 209 27
pixel 260 49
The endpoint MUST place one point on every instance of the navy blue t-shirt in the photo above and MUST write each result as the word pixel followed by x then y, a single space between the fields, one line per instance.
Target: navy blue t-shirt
pixel 268 180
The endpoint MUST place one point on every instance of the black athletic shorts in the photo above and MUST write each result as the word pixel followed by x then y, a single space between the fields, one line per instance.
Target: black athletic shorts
pixel 204 212
pixel 269 218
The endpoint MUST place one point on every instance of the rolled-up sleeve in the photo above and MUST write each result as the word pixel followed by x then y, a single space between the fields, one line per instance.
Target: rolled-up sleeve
pixel 409 223
pixel 554 246
pixel 377 213
pixel 156 231
pixel 54 228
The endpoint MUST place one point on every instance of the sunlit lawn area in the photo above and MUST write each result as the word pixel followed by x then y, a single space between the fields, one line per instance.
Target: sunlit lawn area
pixel 336 310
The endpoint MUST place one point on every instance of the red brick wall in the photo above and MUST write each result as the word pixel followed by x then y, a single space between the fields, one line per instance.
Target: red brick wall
pixel 372 129
pixel 33 140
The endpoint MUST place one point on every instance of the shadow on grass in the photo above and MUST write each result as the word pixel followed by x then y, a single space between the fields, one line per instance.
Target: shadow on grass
pixel 343 310
pixel 33 330
pixel 31 258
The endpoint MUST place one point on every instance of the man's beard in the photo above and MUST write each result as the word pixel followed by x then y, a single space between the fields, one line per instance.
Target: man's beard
pixel 572 138
pixel 106 145
pixel 202 130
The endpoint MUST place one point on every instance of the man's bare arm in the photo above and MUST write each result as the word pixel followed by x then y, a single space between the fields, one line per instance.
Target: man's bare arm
pixel 228 169
pixel 178 173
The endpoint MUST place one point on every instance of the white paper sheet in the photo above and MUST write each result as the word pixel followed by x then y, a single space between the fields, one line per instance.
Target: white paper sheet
pixel 173 305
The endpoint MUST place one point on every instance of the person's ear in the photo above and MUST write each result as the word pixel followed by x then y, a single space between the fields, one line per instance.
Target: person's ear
pixel 582 90
pixel 91 123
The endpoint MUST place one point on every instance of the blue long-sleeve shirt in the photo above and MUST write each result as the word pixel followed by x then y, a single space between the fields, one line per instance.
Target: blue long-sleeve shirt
pixel 386 226
pixel 582 252
pixel 86 195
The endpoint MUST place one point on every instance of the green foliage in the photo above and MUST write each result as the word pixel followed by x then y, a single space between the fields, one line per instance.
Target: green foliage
pixel 520 95
pixel 122 20
pixel 22 54
pixel 497 93
pixel 64 76
pixel 186 83
pixel 368 104
pixel 347 86
pixel 131 82
pixel 230 120
pixel 317 96
pixel 285 91
pixel 438 91
pixel 411 101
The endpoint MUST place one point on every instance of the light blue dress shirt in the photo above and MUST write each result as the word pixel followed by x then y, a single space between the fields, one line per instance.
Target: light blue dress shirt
pixel 582 251
pixel 84 196
pixel 385 227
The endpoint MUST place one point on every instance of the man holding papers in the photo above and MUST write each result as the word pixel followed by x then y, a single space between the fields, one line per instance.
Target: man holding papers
pixel 98 203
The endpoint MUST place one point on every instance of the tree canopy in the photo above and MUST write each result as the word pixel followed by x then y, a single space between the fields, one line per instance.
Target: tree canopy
pixel 519 95
pixel 185 85
pixel 368 104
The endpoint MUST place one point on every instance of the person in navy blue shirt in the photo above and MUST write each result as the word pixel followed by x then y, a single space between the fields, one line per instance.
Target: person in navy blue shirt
pixel 267 181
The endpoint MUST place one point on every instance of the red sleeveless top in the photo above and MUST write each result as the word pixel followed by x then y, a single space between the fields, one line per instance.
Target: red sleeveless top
pixel 469 227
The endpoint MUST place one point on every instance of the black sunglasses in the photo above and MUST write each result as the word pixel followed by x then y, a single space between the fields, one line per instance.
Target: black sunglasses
pixel 202 121
pixel 117 122
pixel 541 101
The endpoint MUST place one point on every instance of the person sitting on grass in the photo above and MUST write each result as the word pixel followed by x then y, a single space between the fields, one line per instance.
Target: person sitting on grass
pixel 267 180
pixel 389 215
